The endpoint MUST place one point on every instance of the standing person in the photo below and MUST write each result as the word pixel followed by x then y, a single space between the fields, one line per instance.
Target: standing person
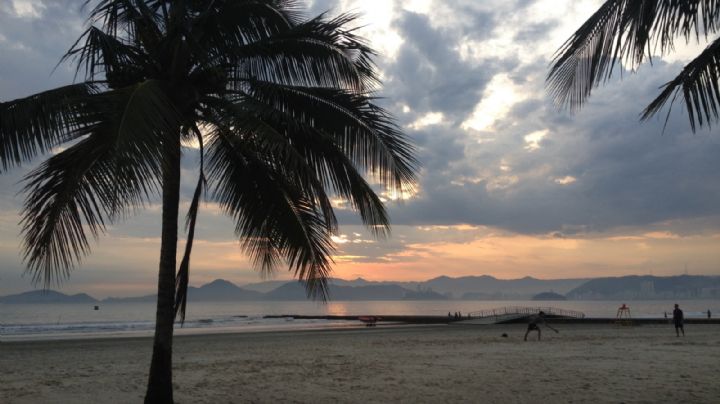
pixel 678 319
pixel 709 314
pixel 533 325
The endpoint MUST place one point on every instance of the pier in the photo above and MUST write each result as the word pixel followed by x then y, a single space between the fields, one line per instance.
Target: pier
pixel 502 315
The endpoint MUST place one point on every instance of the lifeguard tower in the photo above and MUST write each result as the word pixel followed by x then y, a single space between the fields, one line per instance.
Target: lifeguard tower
pixel 623 316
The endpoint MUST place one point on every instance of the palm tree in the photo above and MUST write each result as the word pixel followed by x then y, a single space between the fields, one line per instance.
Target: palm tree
pixel 281 109
pixel 631 31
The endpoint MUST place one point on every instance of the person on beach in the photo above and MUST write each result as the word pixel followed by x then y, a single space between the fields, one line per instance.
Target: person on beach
pixel 678 320
pixel 709 314
pixel 534 323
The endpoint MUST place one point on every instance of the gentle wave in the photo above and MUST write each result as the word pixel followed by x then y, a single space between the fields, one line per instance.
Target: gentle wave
pixel 231 324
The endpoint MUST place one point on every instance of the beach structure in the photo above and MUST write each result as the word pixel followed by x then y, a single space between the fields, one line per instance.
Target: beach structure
pixel 623 316
pixel 515 313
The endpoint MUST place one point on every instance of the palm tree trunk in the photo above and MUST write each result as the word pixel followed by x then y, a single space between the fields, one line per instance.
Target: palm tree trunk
pixel 160 388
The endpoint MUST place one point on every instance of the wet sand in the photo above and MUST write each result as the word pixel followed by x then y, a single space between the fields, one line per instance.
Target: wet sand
pixel 429 364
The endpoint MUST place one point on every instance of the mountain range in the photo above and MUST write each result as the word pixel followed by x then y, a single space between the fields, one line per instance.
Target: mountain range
pixel 441 288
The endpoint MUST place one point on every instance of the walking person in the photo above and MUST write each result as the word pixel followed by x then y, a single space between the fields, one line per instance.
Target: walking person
pixel 678 319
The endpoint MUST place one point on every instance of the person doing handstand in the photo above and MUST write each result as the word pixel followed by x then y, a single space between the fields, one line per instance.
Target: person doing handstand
pixel 534 323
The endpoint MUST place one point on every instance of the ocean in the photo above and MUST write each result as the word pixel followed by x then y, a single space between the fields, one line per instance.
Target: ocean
pixel 62 321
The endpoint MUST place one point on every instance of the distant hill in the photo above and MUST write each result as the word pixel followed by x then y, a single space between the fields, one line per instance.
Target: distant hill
pixel 46 296
pixel 132 299
pixel 427 294
pixel 268 286
pixel 295 291
pixel 217 290
pixel 482 287
pixel 221 290
pixel 264 287
pixel 487 287
pixel 550 296
pixel 648 287
pixel 369 292
pixel 441 288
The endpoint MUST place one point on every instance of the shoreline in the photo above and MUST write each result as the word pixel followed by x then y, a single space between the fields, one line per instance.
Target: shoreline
pixel 337 323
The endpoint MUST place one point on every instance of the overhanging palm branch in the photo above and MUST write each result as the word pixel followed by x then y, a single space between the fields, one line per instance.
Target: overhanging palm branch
pixel 275 215
pixel 363 131
pixel 629 32
pixel 698 85
pixel 316 53
pixel 326 149
pixel 34 125
pixel 116 167
pixel 117 61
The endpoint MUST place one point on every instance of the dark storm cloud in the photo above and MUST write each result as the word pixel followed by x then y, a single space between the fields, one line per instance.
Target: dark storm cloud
pixel 627 172
pixel 429 75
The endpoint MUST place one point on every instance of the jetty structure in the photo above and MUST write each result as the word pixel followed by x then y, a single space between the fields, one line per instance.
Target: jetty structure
pixel 501 315
pixel 517 314
pixel 491 316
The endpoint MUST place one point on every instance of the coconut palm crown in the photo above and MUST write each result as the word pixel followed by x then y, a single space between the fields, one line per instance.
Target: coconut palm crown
pixel 630 32
pixel 280 107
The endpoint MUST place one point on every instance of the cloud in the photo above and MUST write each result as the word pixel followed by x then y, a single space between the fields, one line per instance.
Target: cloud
pixel 35 35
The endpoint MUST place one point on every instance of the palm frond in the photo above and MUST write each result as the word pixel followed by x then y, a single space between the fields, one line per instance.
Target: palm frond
pixel 318 52
pixel 33 125
pixel 362 130
pixel 624 31
pixel 115 168
pixel 698 85
pixel 274 216
pixel 97 52
pixel 286 158
pixel 313 154
pixel 119 15
pixel 243 22
pixel 305 62
pixel 183 275
pixel 138 22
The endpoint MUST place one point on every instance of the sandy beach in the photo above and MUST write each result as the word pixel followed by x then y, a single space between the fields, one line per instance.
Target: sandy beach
pixel 584 363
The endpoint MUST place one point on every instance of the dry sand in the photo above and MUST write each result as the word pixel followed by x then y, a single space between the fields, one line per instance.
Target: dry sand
pixel 582 364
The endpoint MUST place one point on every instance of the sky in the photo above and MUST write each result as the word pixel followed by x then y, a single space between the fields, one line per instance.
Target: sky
pixel 510 186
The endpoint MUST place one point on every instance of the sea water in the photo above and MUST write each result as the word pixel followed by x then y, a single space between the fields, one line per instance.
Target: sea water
pixel 47 321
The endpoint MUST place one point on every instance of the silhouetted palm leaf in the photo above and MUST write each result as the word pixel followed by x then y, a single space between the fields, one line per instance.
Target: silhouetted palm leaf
pixel 630 31
pixel 33 125
pixel 275 215
pixel 116 167
pixel 698 85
